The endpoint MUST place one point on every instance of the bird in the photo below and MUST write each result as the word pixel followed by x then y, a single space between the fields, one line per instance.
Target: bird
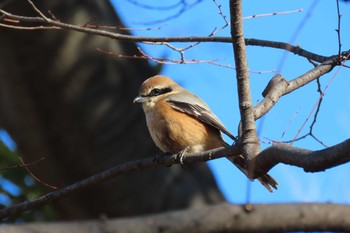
pixel 180 122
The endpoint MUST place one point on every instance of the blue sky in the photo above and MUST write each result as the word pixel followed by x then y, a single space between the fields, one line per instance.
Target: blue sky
pixel 316 26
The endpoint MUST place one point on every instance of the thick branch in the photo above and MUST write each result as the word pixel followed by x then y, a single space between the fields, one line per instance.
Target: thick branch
pixel 217 218
pixel 249 137
pixel 48 23
pixel 310 161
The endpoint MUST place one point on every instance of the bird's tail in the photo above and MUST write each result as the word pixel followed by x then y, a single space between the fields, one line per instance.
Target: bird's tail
pixel 268 181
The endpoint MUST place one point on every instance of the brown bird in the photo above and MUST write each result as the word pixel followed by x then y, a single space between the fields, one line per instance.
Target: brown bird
pixel 181 122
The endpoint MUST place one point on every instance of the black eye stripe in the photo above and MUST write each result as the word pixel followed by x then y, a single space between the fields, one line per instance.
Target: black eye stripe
pixel 159 91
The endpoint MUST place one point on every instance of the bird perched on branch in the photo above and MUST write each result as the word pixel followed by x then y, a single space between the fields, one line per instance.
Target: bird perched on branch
pixel 181 122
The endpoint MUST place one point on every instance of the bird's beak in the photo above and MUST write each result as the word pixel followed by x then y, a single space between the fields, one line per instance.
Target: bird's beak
pixel 140 99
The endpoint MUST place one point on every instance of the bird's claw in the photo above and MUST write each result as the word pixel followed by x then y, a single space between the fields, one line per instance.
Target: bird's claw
pixel 180 156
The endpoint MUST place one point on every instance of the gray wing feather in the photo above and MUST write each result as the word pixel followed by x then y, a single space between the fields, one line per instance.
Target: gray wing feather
pixel 194 106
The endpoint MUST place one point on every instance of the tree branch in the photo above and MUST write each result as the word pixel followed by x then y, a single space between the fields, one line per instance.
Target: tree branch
pixel 216 218
pixel 48 23
pixel 310 161
pixel 281 153
pixel 128 167
pixel 278 86
pixel 248 134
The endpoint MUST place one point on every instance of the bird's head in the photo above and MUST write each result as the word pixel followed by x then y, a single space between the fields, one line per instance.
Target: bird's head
pixel 155 88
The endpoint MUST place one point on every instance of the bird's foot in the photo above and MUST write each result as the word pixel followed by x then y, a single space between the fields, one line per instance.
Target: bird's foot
pixel 180 156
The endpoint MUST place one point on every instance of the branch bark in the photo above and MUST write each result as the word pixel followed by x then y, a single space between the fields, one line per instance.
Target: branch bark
pixel 310 161
pixel 248 136
pixel 217 218
pixel 278 86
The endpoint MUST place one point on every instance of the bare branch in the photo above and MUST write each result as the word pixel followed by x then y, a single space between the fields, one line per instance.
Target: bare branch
pixel 34 176
pixel 223 17
pixel 28 28
pixel 54 24
pixel 338 28
pixel 281 153
pixel 23 164
pixel 273 14
pixel 310 161
pixel 37 10
pixel 222 217
pixel 318 103
pixel 168 61
pixel 128 167
pixel 278 86
pixel 310 133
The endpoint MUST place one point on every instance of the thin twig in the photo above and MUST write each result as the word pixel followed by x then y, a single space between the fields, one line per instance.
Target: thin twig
pixel 35 177
pixel 37 10
pixel 338 28
pixel 289 123
pixel 22 165
pixel 296 34
pixel 168 61
pixel 27 27
pixel 317 104
pixel 319 90
pixel 89 25
pixel 224 17
pixel 310 133
pixel 273 14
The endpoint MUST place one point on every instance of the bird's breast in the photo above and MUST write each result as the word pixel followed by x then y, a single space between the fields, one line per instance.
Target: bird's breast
pixel 172 131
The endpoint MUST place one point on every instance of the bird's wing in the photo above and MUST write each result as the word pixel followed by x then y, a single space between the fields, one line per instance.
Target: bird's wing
pixel 194 106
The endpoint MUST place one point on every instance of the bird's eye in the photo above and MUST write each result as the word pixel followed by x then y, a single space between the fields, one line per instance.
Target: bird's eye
pixel 155 92
pixel 159 91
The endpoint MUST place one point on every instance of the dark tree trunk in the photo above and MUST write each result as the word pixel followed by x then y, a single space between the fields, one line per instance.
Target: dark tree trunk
pixel 63 100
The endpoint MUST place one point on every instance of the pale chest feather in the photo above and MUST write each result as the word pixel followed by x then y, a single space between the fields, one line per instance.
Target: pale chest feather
pixel 173 131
